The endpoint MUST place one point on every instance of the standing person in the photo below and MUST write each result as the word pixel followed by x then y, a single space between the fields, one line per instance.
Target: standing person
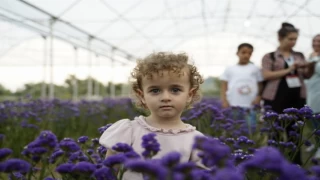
pixel 284 71
pixel 241 83
pixel 313 84
pixel 165 84
pixel 313 87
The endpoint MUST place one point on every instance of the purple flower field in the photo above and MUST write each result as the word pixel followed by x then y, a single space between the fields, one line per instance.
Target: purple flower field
pixel 59 140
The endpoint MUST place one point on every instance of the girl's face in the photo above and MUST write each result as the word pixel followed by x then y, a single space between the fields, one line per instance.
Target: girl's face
pixel 166 94
pixel 316 44
pixel 289 41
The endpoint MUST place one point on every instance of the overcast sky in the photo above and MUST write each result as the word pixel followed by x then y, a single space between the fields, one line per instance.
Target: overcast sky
pixel 209 31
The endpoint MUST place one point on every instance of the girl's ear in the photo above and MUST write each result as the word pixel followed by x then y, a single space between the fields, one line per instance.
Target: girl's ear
pixel 191 94
pixel 140 95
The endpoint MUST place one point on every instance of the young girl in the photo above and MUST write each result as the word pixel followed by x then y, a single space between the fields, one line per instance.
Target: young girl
pixel 165 84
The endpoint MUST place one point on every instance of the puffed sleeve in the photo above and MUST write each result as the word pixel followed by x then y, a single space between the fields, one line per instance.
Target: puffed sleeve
pixel 119 132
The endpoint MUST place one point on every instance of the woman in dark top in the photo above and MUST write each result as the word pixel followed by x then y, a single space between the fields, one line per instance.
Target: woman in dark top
pixel 284 71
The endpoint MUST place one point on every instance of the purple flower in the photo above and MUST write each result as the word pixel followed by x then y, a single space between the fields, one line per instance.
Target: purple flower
pixel 64 168
pixel 290 145
pixel 114 159
pixel 4 152
pixel 251 150
pixel 316 117
pixel 292 172
pixel 38 150
pixel 104 173
pixel 122 147
pixel 69 145
pixel 270 116
pixel 185 167
pixel 315 170
pixel 242 139
pixel 103 128
pixel 147 167
pixel 171 159
pixel 83 139
pixel 250 142
pixel 294 134
pixel 95 141
pixel 287 117
pixel 313 178
pixel 90 151
pixel 317 132
pixel 307 143
pixel 17 175
pixel 102 150
pixel 300 123
pixel 213 152
pixel 178 176
pixel 199 174
pixel 36 158
pixel 306 112
pixel 131 155
pixel 230 140
pixel 83 168
pixel 228 174
pixel 295 126
pixel 48 178
pixel 16 165
pixel 1 166
pixel 292 111
pixel 47 138
pixel 55 155
pixel 96 157
pixel 150 144
pixel 267 158
pixel 279 128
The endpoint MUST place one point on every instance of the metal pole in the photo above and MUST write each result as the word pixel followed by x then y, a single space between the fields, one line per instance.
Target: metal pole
pixel 97 85
pixel 112 87
pixel 74 80
pixel 44 87
pixel 89 92
pixel 123 87
pixel 51 90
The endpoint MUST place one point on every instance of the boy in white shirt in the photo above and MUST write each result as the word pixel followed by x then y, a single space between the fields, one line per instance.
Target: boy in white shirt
pixel 242 82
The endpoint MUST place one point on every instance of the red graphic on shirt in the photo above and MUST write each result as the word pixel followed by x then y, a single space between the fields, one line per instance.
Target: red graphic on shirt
pixel 244 90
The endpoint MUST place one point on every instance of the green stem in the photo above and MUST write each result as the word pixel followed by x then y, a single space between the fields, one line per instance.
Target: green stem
pixel 299 145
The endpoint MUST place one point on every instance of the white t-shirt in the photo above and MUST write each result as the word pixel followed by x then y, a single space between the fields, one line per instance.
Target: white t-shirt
pixel 242 84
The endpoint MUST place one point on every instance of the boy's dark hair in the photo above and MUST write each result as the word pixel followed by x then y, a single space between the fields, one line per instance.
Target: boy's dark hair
pixel 245 45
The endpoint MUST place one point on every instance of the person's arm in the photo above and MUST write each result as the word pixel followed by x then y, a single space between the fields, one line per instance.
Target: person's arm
pixel 271 75
pixel 223 94
pixel 309 70
pixel 257 100
pixel 309 66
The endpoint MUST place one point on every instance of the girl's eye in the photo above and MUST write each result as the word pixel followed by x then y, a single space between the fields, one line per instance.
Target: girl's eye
pixel 175 90
pixel 154 90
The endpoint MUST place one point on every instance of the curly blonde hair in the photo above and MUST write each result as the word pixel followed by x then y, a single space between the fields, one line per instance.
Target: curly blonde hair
pixel 158 62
